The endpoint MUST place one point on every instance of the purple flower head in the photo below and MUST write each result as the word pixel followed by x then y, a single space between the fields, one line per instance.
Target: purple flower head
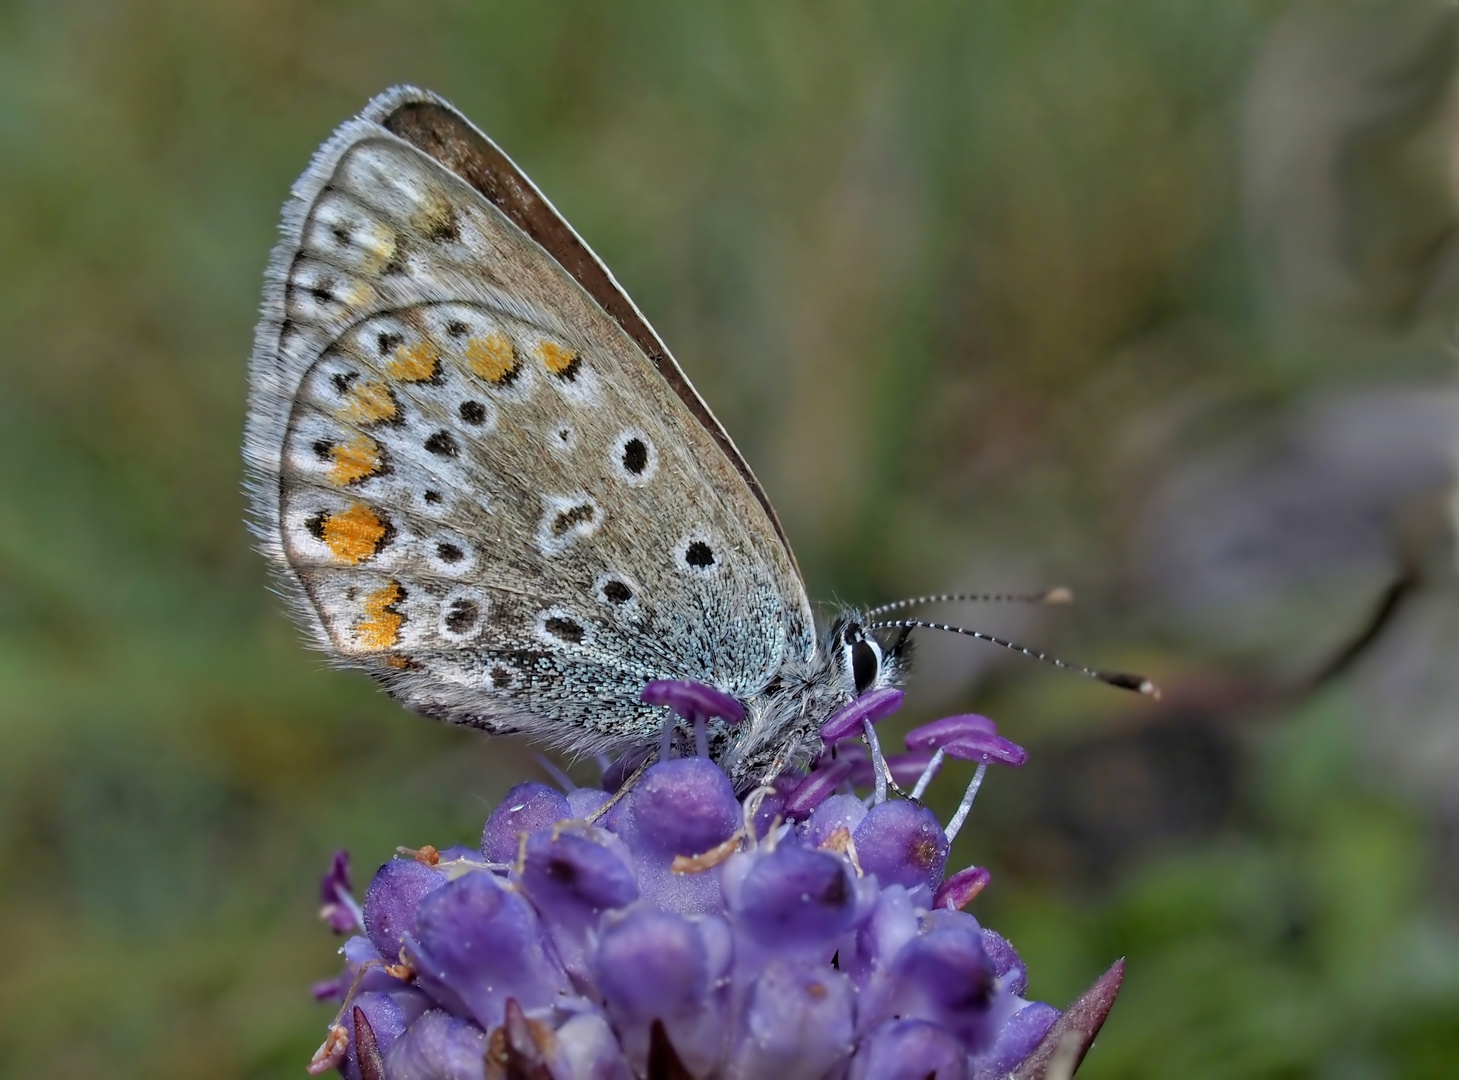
pixel 799 930
pixel 793 900
pixel 658 968
pixel 910 1050
pixel 784 1002
pixel 438 1044
pixel 682 807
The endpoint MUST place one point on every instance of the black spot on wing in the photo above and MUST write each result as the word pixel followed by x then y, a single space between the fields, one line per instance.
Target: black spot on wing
pixel 564 629
pixel 462 616
pixel 635 456
pixel 443 444
pixel 571 518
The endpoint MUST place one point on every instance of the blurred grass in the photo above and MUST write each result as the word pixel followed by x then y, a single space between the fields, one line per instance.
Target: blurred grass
pixel 947 271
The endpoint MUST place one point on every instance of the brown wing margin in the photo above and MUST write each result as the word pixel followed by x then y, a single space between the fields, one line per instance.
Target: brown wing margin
pixel 449 138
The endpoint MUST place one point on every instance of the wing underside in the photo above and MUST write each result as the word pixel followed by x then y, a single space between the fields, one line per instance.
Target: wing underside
pixel 479 474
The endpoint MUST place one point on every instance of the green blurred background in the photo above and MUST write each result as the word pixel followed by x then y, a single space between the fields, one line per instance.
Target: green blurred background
pixel 1152 299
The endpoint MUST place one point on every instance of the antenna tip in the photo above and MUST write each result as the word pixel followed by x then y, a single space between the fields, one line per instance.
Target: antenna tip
pixel 1058 595
pixel 1137 683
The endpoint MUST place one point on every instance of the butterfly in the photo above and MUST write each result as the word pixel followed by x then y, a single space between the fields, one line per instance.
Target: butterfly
pixel 482 478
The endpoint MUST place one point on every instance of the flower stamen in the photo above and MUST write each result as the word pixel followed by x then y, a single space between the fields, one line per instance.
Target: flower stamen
pixel 955 825
pixel 878 765
pixel 928 773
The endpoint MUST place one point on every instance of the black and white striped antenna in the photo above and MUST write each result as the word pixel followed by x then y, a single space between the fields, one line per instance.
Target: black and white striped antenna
pixel 1121 679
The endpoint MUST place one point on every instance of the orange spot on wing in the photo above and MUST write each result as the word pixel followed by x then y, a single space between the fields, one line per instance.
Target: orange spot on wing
pixel 492 357
pixel 416 362
pixel 354 534
pixel 354 460
pixel 368 403
pixel 557 359
pixel 380 629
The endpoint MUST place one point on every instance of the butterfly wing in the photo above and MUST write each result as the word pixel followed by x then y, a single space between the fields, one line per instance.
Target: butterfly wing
pixel 479 473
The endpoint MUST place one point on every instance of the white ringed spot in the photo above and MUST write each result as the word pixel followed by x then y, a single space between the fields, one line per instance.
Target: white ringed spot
pixel 615 591
pixel 463 614
pixel 558 627
pixel 634 457
pixel 566 519
pixel 450 554
pixel 697 554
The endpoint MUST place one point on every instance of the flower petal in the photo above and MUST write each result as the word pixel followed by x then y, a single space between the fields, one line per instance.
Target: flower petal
pixel 438 1045
pixel 681 807
pixel 1016 1039
pixel 949 729
pixel 943 976
pixel 792 899
pixel 693 701
pixel 1006 962
pixel 484 943
pixel 987 749
pixel 526 809
pixel 902 843
pixel 875 705
pixel 652 967
pixel 910 1050
pixel 391 902
pixel 798 1022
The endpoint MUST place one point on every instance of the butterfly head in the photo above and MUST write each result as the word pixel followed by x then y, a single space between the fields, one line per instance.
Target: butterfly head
pixel 862 662
pixel 784 731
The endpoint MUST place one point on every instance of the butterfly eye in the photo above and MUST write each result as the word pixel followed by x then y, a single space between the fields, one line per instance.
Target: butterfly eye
pixel 864 656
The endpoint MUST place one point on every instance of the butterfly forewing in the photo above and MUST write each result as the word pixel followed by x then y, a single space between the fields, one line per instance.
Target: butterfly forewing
pixel 476 481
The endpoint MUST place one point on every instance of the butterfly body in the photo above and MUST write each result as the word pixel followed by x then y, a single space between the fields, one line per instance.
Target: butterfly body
pixel 482 478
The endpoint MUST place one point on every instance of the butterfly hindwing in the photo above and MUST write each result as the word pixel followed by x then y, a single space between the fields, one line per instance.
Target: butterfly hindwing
pixel 475 480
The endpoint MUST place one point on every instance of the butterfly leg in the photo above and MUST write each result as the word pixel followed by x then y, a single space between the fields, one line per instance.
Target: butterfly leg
pixel 623 790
